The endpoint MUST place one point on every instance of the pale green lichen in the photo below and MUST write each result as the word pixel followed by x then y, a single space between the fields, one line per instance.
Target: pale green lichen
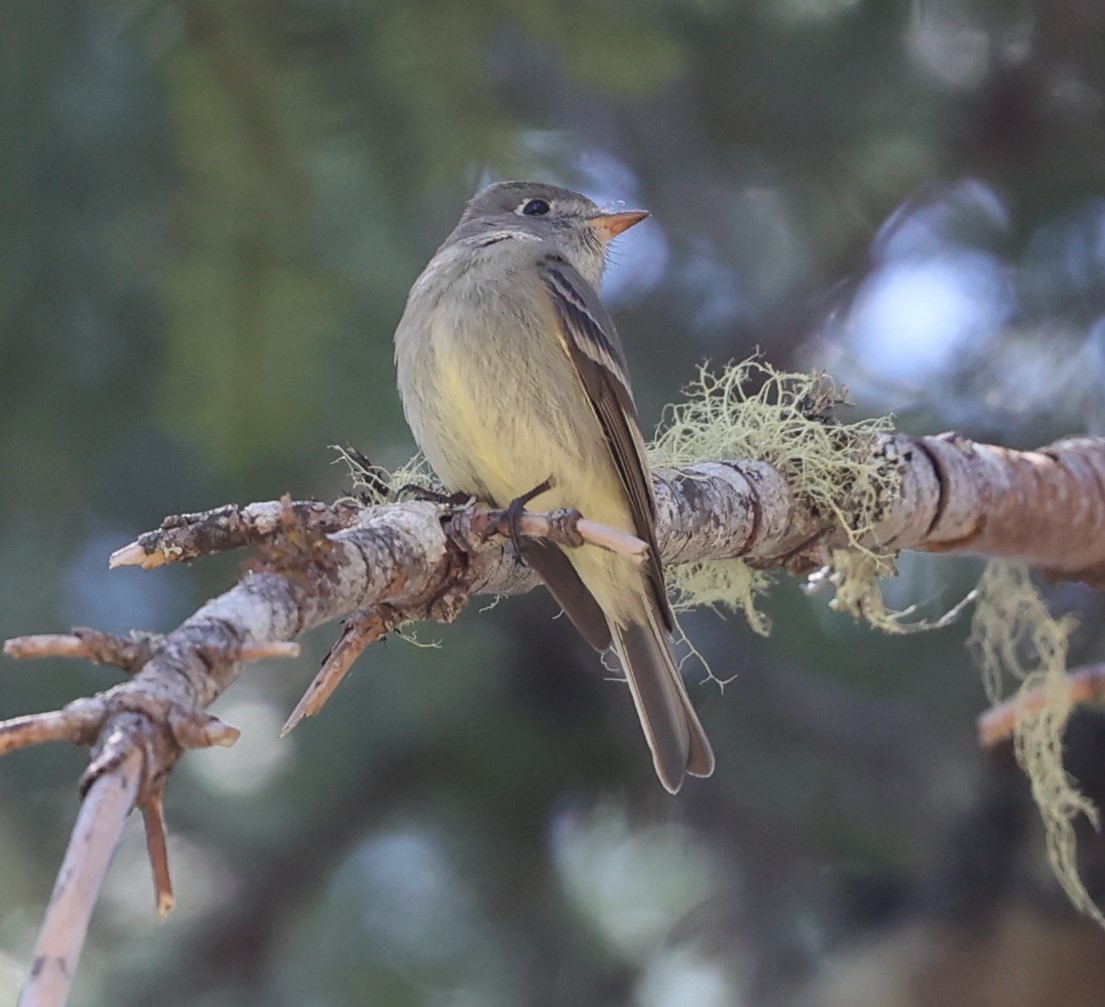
pixel 750 410
pixel 376 485
pixel 411 636
pixel 1014 635
pixel 721 583
pixel 855 576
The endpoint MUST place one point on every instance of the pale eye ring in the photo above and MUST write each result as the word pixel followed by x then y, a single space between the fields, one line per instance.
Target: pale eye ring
pixel 536 208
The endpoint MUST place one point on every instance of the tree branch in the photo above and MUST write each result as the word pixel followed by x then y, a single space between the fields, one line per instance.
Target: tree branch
pixel 415 561
pixel 107 803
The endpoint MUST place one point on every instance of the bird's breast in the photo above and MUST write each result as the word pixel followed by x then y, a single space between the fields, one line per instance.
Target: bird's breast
pixel 496 405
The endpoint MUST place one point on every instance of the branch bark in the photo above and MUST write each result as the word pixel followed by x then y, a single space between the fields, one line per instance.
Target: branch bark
pixel 104 811
pixel 415 561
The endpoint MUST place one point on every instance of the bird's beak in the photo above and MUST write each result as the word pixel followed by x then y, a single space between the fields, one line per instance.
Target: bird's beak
pixel 609 225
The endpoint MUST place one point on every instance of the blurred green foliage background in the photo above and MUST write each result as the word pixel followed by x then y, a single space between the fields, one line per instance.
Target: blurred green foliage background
pixel 210 214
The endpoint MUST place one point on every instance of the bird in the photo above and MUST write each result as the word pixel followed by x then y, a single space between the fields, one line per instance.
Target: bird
pixel 513 379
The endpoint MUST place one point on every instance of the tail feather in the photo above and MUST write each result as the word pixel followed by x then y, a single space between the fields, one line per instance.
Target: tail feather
pixel 672 728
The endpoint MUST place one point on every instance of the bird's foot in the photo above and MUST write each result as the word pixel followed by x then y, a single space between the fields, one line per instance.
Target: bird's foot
pixel 512 513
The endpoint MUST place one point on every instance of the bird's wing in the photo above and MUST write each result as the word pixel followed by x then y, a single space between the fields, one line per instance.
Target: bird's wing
pixel 592 345
pixel 560 577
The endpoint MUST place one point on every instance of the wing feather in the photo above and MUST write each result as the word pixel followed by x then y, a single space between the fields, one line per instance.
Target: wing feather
pixel 592 345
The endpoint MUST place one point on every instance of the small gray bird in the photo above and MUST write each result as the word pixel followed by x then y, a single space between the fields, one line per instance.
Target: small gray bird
pixel 511 374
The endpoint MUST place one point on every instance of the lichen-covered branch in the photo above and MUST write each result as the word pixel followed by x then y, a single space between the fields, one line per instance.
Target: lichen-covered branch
pixel 392 563
pixel 1045 508
pixel 424 561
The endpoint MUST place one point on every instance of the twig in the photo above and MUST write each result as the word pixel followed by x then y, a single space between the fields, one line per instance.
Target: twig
pixel 569 528
pixel 157 849
pixel 96 834
pixel 79 723
pixel 127 652
pixel 186 537
pixel 359 631
pixel 1084 685
pixel 270 648
pixel 197 729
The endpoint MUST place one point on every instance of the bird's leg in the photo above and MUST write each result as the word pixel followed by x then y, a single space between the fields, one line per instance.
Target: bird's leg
pixel 513 511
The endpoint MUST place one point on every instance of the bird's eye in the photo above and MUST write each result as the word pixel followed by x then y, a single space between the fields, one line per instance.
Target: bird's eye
pixel 536 208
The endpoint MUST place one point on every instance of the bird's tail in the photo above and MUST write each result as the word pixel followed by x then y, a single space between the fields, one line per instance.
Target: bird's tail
pixel 674 734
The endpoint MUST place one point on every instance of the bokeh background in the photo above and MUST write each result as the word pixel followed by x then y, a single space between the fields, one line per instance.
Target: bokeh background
pixel 210 214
